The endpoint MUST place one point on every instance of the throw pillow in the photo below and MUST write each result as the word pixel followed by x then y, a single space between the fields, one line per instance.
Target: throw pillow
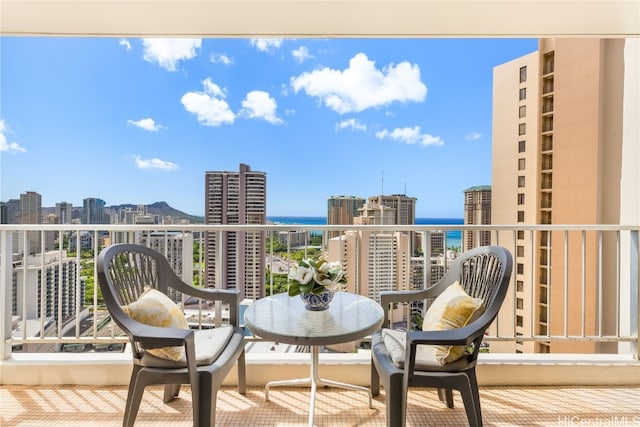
pixel 156 309
pixel 453 308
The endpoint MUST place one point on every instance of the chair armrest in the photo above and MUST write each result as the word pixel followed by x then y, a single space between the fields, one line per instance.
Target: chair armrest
pixel 229 296
pixel 150 337
pixel 458 336
pixel 390 297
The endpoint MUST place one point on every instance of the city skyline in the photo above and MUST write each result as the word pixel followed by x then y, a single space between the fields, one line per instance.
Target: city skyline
pixel 140 120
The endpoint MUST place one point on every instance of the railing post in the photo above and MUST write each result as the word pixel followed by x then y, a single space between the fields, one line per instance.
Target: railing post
pixel 6 286
pixel 634 292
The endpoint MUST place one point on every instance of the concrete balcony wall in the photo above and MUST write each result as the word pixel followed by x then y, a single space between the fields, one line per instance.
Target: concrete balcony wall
pixel 493 369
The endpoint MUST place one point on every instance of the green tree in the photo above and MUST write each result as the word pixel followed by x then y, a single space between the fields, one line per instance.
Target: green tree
pixel 280 283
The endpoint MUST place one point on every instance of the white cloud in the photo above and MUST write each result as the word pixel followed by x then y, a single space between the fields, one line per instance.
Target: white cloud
pixel 301 54
pixel 266 45
pixel 410 136
pixel 8 146
pixel 209 106
pixel 352 124
pixel 260 105
pixel 125 43
pixel 473 136
pixel 220 58
pixel 155 164
pixel 146 124
pixel 362 85
pixel 168 52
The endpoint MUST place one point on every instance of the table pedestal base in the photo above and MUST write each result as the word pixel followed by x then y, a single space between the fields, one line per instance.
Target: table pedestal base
pixel 314 380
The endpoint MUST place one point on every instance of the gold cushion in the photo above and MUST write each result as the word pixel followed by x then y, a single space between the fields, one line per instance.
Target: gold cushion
pixel 453 308
pixel 156 309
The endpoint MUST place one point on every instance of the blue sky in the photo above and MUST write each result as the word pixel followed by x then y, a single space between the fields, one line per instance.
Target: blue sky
pixel 142 120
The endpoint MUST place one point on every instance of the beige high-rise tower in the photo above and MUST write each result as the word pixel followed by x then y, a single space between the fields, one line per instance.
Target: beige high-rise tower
pixel 477 211
pixel 236 198
pixel 557 143
pixel 30 213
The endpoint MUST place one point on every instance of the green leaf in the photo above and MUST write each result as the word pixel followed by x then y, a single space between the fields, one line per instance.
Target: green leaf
pixel 294 289
pixel 307 288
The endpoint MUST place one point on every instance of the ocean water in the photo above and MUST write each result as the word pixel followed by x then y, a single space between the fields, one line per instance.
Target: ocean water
pixel 454 238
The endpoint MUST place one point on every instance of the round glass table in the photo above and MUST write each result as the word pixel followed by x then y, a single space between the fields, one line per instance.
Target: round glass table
pixel 284 319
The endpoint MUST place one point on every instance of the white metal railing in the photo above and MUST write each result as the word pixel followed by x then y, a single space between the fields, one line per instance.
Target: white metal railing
pixel 571 283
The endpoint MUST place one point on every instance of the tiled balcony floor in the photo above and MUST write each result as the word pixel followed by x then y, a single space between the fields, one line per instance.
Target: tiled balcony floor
pixel 98 406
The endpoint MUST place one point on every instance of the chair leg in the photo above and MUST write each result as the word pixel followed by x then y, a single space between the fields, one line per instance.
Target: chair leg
pixel 375 379
pixel 171 391
pixel 471 398
pixel 127 408
pixel 208 396
pixel 133 401
pixel 242 374
pixel 396 401
pixel 446 396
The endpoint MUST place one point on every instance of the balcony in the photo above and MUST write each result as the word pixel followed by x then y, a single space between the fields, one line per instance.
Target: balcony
pixel 63 406
pixel 599 379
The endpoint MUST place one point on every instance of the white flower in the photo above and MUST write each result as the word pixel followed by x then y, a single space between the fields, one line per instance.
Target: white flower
pixel 315 276
pixel 300 274
pixel 330 284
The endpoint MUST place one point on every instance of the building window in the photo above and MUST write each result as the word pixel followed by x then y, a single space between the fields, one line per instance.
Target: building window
pixel 523 94
pixel 519 286
pixel 520 234
pixel 521 198
pixel 520 251
pixel 520 268
pixel 521 181
pixel 522 145
pixel 519 303
pixel 523 74
pixel 522 112
pixel 519 321
pixel 522 128
pixel 521 164
pixel 520 216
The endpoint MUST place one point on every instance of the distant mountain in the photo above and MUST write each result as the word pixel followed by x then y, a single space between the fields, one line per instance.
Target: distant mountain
pixel 158 208
pixel 162 209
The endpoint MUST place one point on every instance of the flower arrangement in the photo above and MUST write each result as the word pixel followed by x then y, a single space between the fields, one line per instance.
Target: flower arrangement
pixel 315 276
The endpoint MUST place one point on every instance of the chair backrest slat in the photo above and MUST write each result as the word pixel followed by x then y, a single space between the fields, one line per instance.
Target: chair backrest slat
pixel 480 275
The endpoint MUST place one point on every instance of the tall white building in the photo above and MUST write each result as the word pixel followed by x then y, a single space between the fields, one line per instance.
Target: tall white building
pixel 236 259
pixel 178 249
pixel 50 290
pixel 373 262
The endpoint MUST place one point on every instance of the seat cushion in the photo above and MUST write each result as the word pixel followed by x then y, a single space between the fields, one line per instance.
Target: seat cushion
pixel 156 309
pixel 453 308
pixel 209 344
pixel 426 355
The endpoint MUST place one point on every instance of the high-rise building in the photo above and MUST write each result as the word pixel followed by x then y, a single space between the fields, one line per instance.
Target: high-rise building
pixel 405 207
pixel 477 211
pixel 557 144
pixel 236 259
pixel 64 212
pixel 13 211
pixel 373 261
pixel 30 213
pixel 93 211
pixel 178 249
pixel 397 209
pixel 341 210
pixel 51 287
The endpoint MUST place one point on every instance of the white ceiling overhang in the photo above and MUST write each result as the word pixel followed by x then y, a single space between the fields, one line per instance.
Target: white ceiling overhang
pixel 320 18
